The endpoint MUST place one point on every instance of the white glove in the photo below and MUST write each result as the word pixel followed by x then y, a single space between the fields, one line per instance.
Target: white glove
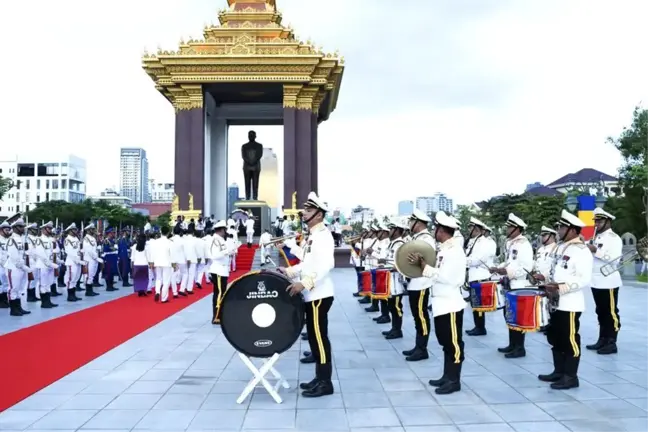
pixel 27 270
pixel 100 261
pixel 83 263
pixel 53 266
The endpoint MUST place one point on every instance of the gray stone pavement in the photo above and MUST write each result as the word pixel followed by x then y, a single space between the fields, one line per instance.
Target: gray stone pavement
pixel 183 375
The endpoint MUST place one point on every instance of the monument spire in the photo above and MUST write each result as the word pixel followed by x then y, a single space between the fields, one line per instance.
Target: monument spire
pixel 269 5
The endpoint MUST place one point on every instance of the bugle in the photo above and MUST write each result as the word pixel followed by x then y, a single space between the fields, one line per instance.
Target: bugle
pixel 352 239
pixel 276 240
pixel 641 251
pixel 402 263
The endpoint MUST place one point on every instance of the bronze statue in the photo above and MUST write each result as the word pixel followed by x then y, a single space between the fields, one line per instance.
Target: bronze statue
pixel 251 153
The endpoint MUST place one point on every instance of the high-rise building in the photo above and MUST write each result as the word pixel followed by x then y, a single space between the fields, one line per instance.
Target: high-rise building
pixel 161 192
pixel 405 208
pixel 362 214
pixel 435 203
pixel 133 178
pixel 39 178
pixel 232 197
pixel 269 179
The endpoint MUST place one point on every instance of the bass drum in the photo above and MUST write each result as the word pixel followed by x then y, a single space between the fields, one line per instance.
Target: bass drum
pixel 258 316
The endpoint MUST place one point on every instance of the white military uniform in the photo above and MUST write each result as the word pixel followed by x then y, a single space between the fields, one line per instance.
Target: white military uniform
pixel 4 282
pixel 233 243
pixel 45 256
pixel 189 247
pixel 91 256
pixel 17 269
pixel 73 260
pixel 249 230
pixel 201 253
pixel 219 253
pixel 265 250
pixel 31 242
pixel 480 256
pixel 545 255
pixel 179 259
pixel 151 271
pixel 395 302
pixel 160 251
pixel 572 271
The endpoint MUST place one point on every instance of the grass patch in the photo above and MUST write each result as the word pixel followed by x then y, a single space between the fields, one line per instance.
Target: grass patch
pixel 642 278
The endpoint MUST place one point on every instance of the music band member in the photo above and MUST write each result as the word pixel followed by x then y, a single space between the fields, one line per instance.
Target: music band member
pixel 448 277
pixel 379 253
pixel 368 241
pixel 419 291
pixel 480 253
pixel 519 261
pixel 219 253
pixel 572 272
pixel 607 248
pixel 316 285
pixel 544 257
pixel 356 261
pixel 395 302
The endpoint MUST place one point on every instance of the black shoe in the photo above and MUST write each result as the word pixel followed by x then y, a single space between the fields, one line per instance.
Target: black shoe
pixel 53 291
pixel 97 285
pixel 439 382
pixel 309 385
pixel 199 286
pixel 15 309
pixel 565 383
pixel 552 377
pixel 559 368
pixel 4 301
pixel 24 312
pixel 386 332
pixel 448 387
pixel 110 288
pixel 304 337
pixel 516 352
pixel 596 346
pixel 307 360
pixel 356 294
pixel 190 293
pixel 126 285
pixel 322 388
pixel 157 297
pixel 383 319
pixel 175 296
pixel 46 302
pixel 609 347
pixel 476 332
pixel 183 294
pixel 418 355
pixel 372 308
pixel 394 334
pixel 31 295
pixel 89 292
pixel 409 352
pixel 306 353
pixel 141 294
pixel 364 300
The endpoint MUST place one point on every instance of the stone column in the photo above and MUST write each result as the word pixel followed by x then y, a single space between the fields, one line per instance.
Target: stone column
pixel 189 146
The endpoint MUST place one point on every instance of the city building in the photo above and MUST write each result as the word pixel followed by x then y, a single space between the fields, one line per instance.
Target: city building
pixel 405 208
pixel 362 214
pixel 533 186
pixel 435 203
pixel 232 197
pixel 39 178
pixel 161 192
pixel 587 180
pixel 133 174
pixel 269 179
pixel 112 197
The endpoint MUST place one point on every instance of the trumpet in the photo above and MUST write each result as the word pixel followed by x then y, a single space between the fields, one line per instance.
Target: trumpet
pixel 641 251
pixel 276 240
pixel 352 239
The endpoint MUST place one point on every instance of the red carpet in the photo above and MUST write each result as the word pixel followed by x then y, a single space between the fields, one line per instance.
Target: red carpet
pixel 30 363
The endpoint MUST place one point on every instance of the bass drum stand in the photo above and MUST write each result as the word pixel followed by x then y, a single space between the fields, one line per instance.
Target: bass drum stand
pixel 260 378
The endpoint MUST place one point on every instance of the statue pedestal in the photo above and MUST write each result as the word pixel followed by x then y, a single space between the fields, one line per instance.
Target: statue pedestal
pixel 261 212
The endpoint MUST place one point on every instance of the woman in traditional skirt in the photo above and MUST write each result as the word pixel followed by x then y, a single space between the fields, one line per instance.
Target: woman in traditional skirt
pixel 140 264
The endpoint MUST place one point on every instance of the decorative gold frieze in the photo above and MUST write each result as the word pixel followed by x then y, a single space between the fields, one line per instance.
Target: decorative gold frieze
pixel 290 93
pixel 305 98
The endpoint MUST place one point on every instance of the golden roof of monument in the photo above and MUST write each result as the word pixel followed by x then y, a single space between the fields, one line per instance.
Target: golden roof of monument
pixel 249 45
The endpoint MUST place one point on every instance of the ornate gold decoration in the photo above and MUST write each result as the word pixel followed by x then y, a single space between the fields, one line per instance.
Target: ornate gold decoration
pixel 189 214
pixel 294 210
pixel 175 205
pixel 191 202
pixel 249 45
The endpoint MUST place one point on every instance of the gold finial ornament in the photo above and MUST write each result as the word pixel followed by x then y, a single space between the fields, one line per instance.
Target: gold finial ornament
pixel 191 202
pixel 175 205
pixel 294 200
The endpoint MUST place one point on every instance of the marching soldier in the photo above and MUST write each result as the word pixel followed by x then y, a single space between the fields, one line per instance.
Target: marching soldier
pixel 90 255
pixel 44 259
pixel 519 261
pixel 395 302
pixel 111 262
pixel 33 277
pixel 419 291
pixel 571 273
pixel 17 269
pixel 607 248
pixel 316 285
pixel 73 261
pixel 5 234
pixel 479 257
pixel 448 304
pixel 219 253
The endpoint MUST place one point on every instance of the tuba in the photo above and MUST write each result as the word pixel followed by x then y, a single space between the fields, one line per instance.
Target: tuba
pixel 402 264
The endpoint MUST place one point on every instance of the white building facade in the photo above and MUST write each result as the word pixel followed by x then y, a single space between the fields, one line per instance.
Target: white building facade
pixel 112 197
pixel 38 179
pixel 362 214
pixel 435 203
pixel 133 174
pixel 161 192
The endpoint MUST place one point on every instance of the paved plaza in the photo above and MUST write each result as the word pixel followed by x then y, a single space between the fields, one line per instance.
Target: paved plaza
pixel 183 375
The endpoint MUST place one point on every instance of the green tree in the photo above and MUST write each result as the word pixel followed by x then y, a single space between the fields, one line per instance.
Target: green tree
pixel 356 228
pixel 164 219
pixel 534 210
pixel 5 185
pixel 463 214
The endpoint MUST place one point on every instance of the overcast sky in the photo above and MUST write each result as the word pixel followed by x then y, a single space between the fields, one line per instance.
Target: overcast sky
pixel 468 97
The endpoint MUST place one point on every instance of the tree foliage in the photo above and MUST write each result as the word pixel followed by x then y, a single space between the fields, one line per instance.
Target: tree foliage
pixel 5 185
pixel 84 212
pixel 164 219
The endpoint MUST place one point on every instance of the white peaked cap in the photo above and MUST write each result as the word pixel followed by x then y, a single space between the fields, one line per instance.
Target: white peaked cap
pixel 569 219
pixel 419 215
pixel 49 224
pixel 477 222
pixel 515 221
pixel 441 218
pixel 90 226
pixel 220 224
pixel 230 222
pixel 400 223
pixel 71 227
pixel 383 226
pixel 314 201
pixel 18 222
pixel 32 226
pixel 600 213
pixel 546 229
pixel 456 220
pixel 4 225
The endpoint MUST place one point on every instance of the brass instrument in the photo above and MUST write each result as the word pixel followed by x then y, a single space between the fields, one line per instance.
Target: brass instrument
pixel 641 251
pixel 276 240
pixel 401 260
pixel 352 239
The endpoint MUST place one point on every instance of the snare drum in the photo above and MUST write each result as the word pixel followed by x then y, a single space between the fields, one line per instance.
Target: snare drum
pixel 483 296
pixel 365 283
pixel 526 310
pixel 382 287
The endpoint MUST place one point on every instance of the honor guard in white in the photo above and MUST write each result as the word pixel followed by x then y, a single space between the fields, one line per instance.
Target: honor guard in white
pixel 544 257
pixel 395 302
pixel 178 258
pixel 44 256
pixel 201 253
pixel 162 258
pixel 515 270
pixel 312 279
pixel 249 230
pixel 379 253
pixel 480 255
pixel 366 262
pixel 458 237
pixel 189 247
pixel 90 255
pixel 17 269
pixel 265 247
pixel 73 261
pixel 570 275
pixel 233 242
pixel 356 260
pixel 607 248
pixel 419 291
pixel 32 278
pixel 448 276
pixel 207 241
pixel 150 239
pixel 219 253
pixel 5 234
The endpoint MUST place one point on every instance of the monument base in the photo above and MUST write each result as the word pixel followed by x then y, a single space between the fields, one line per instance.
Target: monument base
pixel 342 257
pixel 261 213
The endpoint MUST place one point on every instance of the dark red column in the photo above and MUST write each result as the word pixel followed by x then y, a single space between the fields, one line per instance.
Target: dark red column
pixel 190 157
pixel 300 155
pixel 290 155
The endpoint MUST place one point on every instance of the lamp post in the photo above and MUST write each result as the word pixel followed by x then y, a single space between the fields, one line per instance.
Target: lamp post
pixel 571 202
